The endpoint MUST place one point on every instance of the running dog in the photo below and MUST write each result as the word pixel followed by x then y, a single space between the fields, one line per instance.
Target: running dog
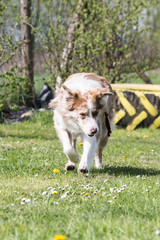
pixel 84 107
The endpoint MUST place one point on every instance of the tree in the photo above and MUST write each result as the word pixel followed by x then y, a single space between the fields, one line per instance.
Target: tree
pixel 27 51
pixel 100 36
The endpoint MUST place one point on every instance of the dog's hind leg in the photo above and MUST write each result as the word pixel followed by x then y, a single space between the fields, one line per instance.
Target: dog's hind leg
pixel 98 153
pixel 98 159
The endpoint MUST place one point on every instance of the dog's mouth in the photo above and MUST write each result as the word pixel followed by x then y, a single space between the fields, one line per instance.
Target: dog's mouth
pixel 91 135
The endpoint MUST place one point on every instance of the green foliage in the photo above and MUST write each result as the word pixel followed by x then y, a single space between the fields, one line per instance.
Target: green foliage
pixel 108 38
pixel 12 91
pixel 119 202
pixel 111 38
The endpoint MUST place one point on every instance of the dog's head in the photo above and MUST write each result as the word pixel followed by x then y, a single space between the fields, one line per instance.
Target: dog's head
pixel 85 109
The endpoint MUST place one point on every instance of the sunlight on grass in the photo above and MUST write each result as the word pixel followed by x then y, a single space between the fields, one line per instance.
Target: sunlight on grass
pixel 40 200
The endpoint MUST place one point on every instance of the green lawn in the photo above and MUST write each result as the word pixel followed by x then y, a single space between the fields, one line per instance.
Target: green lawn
pixel 120 202
pixel 154 75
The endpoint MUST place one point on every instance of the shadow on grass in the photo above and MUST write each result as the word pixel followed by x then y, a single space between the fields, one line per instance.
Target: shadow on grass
pixel 29 136
pixel 128 171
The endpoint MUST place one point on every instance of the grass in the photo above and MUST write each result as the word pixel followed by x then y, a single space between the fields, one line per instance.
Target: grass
pixel 119 202
pixel 154 75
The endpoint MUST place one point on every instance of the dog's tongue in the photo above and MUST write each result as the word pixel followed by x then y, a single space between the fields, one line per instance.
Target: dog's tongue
pixel 108 124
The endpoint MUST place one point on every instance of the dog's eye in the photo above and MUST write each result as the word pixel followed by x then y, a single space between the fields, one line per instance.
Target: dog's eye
pixel 83 115
pixel 95 113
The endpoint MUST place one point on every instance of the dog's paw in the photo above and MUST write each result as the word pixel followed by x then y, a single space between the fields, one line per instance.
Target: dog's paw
pixel 83 170
pixel 70 166
pixel 99 166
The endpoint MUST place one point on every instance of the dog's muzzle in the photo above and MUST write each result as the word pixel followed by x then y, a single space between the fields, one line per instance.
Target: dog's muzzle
pixel 93 132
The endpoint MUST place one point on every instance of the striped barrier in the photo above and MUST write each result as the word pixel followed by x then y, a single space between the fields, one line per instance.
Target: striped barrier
pixel 137 105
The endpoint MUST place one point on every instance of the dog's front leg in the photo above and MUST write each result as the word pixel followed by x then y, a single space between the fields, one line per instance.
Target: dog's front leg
pixel 89 148
pixel 68 149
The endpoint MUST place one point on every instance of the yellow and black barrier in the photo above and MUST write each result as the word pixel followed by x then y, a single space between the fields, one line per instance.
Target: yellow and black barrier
pixel 137 105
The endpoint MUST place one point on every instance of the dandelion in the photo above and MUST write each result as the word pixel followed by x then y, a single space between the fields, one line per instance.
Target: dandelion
pixel 59 237
pixel 80 144
pixel 55 170
pixel 57 150
pixel 124 156
pixel 55 192
pixel 85 195
pixel 145 136
pixel 139 152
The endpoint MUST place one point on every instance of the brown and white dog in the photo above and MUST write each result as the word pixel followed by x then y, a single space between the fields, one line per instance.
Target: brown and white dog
pixel 84 107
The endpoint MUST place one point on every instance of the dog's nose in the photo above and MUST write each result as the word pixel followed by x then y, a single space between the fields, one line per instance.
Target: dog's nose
pixel 93 130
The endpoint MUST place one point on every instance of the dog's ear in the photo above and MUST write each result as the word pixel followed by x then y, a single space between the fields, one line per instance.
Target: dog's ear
pixel 67 92
pixel 53 103
pixel 102 93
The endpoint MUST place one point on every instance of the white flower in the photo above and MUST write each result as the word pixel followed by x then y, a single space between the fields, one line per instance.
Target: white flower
pixel 44 193
pixel 105 180
pixel 64 195
pixel 157 232
pixel 23 199
pixel 111 190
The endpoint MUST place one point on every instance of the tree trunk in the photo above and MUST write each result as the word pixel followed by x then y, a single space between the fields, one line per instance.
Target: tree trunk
pixel 27 52
pixel 68 50
pixel 144 77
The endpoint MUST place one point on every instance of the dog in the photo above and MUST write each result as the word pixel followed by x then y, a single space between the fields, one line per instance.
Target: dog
pixel 83 108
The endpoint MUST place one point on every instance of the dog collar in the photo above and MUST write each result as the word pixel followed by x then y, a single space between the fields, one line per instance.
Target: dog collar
pixel 108 124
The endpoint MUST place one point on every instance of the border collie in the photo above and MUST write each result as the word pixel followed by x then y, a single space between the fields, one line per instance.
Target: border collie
pixel 83 108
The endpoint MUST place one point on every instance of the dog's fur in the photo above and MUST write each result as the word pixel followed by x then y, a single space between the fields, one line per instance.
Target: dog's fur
pixel 83 106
